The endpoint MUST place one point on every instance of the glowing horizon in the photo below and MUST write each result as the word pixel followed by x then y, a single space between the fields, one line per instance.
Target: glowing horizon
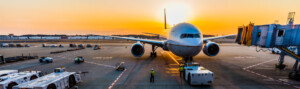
pixel 135 16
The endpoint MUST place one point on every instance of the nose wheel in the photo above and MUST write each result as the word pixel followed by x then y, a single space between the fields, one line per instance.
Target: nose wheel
pixel 153 53
pixel 187 59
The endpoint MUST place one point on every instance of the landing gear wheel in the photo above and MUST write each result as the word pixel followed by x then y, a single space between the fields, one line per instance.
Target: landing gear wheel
pixel 153 54
pixel 280 66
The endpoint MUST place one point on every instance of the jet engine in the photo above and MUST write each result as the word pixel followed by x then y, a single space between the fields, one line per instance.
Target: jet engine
pixel 211 49
pixel 137 49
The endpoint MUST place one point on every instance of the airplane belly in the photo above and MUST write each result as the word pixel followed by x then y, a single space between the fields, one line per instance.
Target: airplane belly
pixel 184 51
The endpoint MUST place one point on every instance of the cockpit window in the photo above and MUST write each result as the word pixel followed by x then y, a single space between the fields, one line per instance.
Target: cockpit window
pixel 190 36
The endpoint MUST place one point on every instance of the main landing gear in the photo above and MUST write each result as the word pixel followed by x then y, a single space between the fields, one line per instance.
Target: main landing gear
pixel 153 53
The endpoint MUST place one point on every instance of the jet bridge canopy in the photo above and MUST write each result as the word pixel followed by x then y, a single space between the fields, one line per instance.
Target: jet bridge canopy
pixel 269 35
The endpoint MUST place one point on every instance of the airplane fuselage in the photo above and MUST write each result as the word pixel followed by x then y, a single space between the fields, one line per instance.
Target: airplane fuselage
pixel 185 40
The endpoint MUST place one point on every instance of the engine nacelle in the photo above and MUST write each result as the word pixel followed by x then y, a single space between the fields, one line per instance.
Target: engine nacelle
pixel 211 49
pixel 137 49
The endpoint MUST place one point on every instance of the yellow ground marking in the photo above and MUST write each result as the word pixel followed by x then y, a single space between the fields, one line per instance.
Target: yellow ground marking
pixel 172 57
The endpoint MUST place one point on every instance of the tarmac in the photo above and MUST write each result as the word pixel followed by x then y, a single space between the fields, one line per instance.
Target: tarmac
pixel 235 67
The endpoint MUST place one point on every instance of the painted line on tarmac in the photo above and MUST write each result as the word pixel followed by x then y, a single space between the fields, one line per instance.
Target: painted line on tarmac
pixel 280 81
pixel 63 56
pixel 171 57
pixel 112 85
pixel 100 64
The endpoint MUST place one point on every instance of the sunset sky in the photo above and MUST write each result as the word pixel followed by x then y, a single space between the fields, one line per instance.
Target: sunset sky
pixel 137 16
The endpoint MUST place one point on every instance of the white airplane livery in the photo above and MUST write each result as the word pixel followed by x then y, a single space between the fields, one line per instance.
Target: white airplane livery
pixel 184 40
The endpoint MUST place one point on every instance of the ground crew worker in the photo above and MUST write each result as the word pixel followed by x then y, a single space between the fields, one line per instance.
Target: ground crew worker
pixel 181 70
pixel 77 58
pixel 152 76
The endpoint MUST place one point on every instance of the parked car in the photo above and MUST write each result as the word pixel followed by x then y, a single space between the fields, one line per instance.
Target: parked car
pixel 61 46
pixel 72 45
pixel 96 47
pixel 11 45
pixel 4 45
pixel 19 45
pixel 27 45
pixel 80 46
pixel 89 45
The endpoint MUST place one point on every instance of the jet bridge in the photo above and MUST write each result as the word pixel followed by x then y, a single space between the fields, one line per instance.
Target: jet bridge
pixel 274 36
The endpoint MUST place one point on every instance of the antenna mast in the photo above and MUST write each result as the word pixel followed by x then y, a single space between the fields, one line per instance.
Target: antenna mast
pixel 290 20
pixel 165 18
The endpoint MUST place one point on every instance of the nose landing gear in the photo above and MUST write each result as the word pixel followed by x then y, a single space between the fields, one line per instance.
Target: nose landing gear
pixel 188 59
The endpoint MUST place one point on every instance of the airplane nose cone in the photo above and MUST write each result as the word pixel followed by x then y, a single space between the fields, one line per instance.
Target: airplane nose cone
pixel 193 42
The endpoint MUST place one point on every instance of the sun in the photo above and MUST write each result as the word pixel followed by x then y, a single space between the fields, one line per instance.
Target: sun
pixel 177 13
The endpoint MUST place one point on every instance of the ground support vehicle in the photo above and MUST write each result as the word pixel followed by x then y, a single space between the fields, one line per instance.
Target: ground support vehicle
pixel 195 74
pixel 10 80
pixel 60 79
pixel 46 60
pixel 7 72
pixel 79 59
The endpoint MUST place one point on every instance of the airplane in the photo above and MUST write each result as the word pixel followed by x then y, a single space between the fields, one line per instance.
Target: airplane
pixel 184 40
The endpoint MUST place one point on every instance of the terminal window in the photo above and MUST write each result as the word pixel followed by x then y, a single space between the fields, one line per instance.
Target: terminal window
pixel 280 33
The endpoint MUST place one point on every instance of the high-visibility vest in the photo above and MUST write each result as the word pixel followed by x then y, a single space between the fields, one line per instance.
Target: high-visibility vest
pixel 152 73
pixel 180 69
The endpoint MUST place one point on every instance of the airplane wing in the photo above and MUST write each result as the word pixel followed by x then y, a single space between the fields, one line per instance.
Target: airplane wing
pixel 154 42
pixel 160 36
pixel 161 42
pixel 217 37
